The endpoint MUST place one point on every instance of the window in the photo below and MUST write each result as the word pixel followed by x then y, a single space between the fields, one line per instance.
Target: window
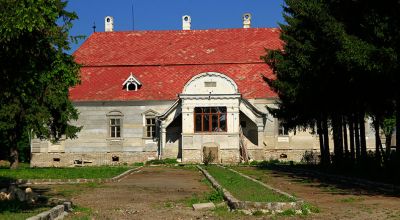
pixel 115 127
pixel 131 83
pixel 210 119
pixel 282 129
pixel 150 127
pixel 115 124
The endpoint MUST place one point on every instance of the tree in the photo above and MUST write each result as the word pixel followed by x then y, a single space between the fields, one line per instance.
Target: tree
pixel 36 72
pixel 309 81
pixel 340 64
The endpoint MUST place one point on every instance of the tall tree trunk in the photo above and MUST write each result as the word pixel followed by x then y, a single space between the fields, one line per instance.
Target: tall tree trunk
pixel 345 139
pixel 363 143
pixel 13 158
pixel 357 137
pixel 378 142
pixel 14 162
pixel 351 131
pixel 321 141
pixel 398 127
pixel 338 148
pixel 340 137
pixel 325 129
pixel 388 143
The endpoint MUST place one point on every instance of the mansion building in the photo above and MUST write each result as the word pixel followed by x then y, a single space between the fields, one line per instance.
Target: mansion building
pixel 178 94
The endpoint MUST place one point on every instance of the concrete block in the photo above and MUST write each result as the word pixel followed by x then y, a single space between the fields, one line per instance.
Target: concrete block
pixel 203 206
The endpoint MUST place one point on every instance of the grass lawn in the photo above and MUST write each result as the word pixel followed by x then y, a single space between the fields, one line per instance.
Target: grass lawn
pixel 244 189
pixel 25 172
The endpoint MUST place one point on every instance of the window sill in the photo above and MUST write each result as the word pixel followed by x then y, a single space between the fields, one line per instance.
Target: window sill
pixel 115 139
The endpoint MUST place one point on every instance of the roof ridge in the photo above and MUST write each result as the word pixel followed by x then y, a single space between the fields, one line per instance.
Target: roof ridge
pixel 188 31
pixel 171 64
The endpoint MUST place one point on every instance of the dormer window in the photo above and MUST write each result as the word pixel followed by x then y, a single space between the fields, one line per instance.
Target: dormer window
pixel 132 84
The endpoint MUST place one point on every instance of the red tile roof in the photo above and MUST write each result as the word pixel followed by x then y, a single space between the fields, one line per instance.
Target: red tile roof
pixel 163 61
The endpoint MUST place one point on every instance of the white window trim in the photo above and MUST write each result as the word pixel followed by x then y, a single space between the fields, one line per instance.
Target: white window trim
pixel 149 114
pixel 115 115
pixel 131 80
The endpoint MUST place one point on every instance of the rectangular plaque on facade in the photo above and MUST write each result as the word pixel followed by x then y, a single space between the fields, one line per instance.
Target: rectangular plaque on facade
pixel 283 139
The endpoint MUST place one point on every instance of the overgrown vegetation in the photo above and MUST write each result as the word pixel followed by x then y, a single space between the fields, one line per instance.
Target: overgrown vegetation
pixel 166 161
pixel 208 158
pixel 244 189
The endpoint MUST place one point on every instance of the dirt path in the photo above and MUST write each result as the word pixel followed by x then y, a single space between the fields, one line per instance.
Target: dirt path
pixel 146 195
pixel 335 200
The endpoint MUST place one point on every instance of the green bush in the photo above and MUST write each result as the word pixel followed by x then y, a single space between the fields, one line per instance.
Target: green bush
pixel 208 158
pixel 254 163
pixel 309 158
pixel 138 164
pixel 216 196
pixel 163 161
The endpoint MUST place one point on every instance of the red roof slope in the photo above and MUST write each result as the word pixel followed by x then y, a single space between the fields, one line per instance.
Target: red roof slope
pixel 165 60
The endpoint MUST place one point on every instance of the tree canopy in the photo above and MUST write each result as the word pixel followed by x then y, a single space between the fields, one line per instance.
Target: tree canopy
pixel 36 72
pixel 339 64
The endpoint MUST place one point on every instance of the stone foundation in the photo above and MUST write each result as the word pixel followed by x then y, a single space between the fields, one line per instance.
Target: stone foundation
pixel 89 159
pixel 192 156
pixel 286 154
pixel 229 156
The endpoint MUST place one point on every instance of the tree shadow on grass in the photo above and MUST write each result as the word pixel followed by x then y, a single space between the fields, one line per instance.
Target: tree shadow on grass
pixel 330 183
pixel 15 206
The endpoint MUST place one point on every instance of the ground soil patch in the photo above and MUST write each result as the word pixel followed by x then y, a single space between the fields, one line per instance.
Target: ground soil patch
pixel 152 193
pixel 335 200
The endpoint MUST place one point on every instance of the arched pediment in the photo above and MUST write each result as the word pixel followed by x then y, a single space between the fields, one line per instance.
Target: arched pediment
pixel 210 83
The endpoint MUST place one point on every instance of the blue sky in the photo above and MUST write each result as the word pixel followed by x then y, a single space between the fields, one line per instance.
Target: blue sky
pixel 166 14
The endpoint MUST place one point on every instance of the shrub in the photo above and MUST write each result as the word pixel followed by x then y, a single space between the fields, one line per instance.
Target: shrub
pixel 216 196
pixel 309 157
pixel 163 161
pixel 254 163
pixel 138 164
pixel 208 158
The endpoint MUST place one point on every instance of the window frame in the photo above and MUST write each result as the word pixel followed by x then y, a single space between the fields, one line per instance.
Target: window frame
pixel 115 115
pixel 153 127
pixel 115 127
pixel 150 114
pixel 210 115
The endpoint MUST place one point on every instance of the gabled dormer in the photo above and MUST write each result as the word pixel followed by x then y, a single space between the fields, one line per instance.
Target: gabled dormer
pixel 132 84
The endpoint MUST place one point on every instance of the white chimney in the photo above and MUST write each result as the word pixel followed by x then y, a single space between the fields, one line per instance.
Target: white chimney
pixel 109 24
pixel 186 21
pixel 246 20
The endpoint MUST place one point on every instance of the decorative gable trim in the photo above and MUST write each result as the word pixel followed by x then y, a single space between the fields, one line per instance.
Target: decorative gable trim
pixel 131 81
pixel 150 112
